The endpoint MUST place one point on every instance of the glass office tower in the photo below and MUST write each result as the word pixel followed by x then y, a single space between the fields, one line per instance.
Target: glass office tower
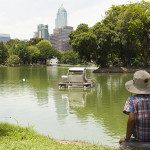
pixel 61 18
pixel 43 32
pixel 60 40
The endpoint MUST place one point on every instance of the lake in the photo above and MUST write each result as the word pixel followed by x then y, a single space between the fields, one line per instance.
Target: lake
pixel 30 96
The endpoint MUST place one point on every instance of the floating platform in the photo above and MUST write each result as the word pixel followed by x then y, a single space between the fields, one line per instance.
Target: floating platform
pixel 76 78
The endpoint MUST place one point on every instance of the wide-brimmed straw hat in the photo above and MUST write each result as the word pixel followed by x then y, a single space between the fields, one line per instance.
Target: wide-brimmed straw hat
pixel 140 83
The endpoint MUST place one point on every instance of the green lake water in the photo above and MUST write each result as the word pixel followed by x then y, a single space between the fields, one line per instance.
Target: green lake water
pixel 30 96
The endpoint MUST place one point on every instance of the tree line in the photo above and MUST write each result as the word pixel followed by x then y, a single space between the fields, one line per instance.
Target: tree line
pixel 36 50
pixel 16 52
pixel 122 38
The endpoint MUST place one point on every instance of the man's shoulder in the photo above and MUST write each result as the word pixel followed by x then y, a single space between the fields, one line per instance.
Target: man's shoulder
pixel 134 97
pixel 139 97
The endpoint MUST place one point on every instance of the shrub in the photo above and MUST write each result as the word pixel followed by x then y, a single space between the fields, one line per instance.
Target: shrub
pixel 13 60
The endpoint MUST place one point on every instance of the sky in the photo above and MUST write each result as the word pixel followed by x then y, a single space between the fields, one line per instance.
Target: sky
pixel 20 18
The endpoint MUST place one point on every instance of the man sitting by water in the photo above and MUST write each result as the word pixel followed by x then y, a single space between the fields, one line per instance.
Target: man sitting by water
pixel 138 108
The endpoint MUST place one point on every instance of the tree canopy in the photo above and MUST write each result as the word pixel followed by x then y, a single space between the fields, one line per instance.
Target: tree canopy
pixel 46 50
pixel 16 52
pixel 34 41
pixel 22 51
pixel 3 53
pixel 122 37
pixel 34 53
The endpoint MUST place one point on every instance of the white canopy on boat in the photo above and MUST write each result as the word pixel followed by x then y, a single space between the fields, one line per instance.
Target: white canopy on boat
pixel 76 69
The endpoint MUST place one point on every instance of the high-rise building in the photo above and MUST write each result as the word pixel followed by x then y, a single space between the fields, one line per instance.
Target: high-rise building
pixel 4 38
pixel 61 18
pixel 60 40
pixel 43 32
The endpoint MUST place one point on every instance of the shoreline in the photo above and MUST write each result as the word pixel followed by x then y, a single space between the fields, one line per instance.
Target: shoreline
pixel 99 70
pixel 119 70
pixel 80 143
pixel 17 137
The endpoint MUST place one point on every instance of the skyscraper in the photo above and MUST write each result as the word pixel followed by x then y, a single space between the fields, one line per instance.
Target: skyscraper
pixel 61 17
pixel 43 32
pixel 60 40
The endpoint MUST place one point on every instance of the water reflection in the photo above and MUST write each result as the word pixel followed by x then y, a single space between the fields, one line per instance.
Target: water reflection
pixel 104 104
pixel 76 97
pixel 38 81
pixel 61 107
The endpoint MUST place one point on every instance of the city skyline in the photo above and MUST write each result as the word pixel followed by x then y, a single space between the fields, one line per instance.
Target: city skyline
pixel 20 18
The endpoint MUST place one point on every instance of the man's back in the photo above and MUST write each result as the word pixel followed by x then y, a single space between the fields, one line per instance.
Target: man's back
pixel 140 106
pixel 142 118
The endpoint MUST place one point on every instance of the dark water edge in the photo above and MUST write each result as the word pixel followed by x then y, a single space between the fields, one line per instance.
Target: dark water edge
pixel 119 70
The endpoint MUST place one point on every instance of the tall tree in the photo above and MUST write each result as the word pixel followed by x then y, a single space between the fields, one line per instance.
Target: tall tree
pixel 11 45
pixel 107 40
pixel 34 53
pixel 131 23
pixel 83 41
pixel 22 51
pixel 139 28
pixel 94 44
pixel 3 53
pixel 69 57
pixel 123 35
pixel 46 50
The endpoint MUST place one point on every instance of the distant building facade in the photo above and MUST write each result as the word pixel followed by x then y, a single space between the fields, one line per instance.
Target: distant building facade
pixel 42 32
pixel 60 40
pixel 35 34
pixel 61 18
pixel 4 38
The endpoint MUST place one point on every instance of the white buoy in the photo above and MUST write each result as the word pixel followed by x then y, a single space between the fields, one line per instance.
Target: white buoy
pixel 23 79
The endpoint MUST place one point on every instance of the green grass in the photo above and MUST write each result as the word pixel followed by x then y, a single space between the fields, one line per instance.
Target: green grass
pixel 15 137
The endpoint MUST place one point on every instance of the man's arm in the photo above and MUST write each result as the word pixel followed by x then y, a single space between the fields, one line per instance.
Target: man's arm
pixel 130 125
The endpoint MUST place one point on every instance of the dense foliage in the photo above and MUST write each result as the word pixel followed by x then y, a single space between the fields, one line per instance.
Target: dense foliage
pixel 36 50
pixel 121 38
pixel 22 51
pixel 71 57
pixel 3 53
pixel 47 51
pixel 13 60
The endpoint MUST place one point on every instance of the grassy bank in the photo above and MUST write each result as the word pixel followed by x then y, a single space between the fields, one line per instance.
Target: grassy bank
pixel 16 137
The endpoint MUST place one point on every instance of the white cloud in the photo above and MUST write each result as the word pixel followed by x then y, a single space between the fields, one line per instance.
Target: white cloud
pixel 20 18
